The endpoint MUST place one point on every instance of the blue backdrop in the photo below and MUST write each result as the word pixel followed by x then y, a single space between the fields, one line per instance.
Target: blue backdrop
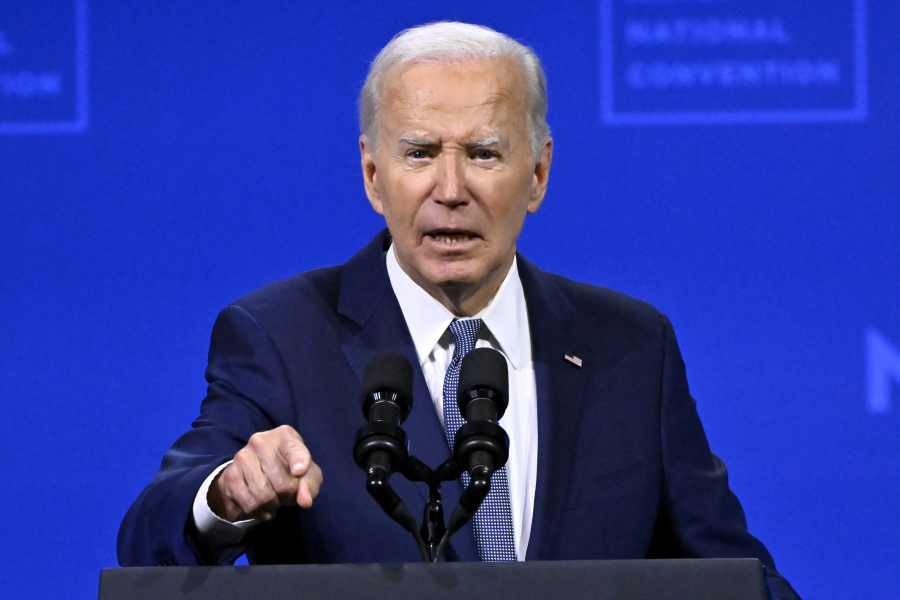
pixel 733 162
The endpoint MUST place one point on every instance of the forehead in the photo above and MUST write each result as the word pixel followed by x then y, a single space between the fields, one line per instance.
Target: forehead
pixel 472 92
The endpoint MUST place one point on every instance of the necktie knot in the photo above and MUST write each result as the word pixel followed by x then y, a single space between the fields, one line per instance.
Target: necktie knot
pixel 465 336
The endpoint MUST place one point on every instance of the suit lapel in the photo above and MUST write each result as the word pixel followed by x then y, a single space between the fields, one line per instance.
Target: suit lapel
pixel 560 393
pixel 366 297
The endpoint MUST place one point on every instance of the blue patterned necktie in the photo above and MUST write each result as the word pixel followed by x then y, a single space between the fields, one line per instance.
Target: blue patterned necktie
pixel 493 521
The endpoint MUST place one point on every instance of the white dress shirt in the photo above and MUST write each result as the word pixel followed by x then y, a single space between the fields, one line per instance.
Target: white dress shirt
pixel 506 329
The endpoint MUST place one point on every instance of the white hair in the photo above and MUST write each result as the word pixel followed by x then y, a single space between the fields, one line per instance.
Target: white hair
pixel 448 42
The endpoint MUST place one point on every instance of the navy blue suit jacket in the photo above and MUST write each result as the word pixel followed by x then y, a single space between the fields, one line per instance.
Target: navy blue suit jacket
pixel 624 469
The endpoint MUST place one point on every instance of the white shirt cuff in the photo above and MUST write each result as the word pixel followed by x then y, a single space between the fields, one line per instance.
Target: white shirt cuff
pixel 215 532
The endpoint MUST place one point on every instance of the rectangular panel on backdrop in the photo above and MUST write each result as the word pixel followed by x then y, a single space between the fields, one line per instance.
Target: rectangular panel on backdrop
pixel 43 67
pixel 732 61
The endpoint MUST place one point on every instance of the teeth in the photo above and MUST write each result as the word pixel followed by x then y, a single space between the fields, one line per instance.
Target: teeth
pixel 452 239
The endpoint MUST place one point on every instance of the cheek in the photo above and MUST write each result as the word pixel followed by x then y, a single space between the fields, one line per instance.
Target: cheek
pixel 510 201
pixel 401 195
pixel 508 216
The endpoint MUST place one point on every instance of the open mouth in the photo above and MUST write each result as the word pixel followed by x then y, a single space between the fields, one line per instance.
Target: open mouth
pixel 452 238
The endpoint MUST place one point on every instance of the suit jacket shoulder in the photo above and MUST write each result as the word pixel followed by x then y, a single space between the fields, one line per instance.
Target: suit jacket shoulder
pixel 595 303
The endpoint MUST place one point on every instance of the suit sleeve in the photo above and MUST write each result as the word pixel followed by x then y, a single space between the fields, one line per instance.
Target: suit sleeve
pixel 700 516
pixel 248 392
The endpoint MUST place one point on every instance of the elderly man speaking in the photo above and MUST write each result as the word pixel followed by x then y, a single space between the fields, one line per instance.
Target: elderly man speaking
pixel 608 459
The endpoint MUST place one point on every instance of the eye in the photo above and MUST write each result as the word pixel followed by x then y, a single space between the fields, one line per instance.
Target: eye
pixel 418 154
pixel 484 155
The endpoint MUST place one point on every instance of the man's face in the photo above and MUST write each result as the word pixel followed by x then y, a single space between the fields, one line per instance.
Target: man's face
pixel 453 174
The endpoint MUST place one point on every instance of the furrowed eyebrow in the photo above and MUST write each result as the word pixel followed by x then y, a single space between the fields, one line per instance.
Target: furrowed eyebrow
pixel 483 142
pixel 412 141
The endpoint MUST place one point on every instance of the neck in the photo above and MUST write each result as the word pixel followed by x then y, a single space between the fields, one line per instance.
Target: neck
pixel 461 299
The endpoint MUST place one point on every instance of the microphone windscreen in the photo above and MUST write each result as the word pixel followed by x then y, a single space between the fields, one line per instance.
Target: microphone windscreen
pixel 485 368
pixel 389 371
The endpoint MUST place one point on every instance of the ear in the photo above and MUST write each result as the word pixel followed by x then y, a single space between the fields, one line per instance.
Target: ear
pixel 367 159
pixel 541 177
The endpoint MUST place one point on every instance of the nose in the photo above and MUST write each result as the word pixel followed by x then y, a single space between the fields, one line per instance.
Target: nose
pixel 450 179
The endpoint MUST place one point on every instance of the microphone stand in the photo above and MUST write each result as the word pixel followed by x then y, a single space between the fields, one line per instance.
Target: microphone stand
pixel 433 518
pixel 434 534
pixel 381 450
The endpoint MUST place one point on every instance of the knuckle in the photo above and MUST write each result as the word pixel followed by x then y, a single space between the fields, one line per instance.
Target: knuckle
pixel 267 497
pixel 257 482
pixel 290 432
pixel 227 476
pixel 232 475
pixel 243 499
pixel 256 441
pixel 280 483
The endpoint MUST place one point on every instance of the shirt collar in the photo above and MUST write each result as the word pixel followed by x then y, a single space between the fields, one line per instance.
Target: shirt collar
pixel 505 315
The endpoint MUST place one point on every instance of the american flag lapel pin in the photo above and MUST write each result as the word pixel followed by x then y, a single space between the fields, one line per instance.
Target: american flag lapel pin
pixel 574 360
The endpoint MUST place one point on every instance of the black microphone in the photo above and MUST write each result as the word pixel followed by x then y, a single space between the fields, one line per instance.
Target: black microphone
pixel 387 388
pixel 483 390
pixel 483 395
pixel 386 403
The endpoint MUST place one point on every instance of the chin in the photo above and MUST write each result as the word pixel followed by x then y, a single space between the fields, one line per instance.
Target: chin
pixel 454 278
pixel 454 281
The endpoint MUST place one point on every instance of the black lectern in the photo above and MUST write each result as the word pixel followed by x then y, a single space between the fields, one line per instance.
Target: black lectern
pixel 707 579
